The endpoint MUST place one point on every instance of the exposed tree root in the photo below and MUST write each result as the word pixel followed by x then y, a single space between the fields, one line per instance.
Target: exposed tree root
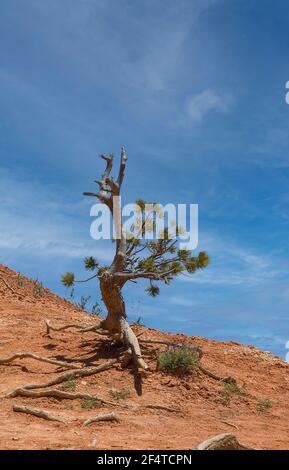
pixel 69 375
pixel 162 407
pixel 224 441
pixel 8 285
pixel 230 424
pixel 214 376
pixel 132 343
pixel 82 328
pixel 61 394
pixel 36 412
pixel 102 417
pixel 20 355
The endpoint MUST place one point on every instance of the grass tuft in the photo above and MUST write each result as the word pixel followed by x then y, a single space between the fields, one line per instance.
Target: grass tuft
pixel 70 384
pixel 263 405
pixel 177 359
pixel 120 394
pixel 90 403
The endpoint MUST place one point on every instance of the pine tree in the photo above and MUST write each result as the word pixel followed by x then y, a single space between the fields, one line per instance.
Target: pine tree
pixel 158 260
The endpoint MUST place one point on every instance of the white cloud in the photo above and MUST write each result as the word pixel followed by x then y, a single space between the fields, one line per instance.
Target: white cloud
pixel 208 100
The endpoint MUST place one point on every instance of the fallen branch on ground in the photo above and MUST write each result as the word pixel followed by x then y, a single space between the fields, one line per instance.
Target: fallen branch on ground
pixel 67 376
pixel 162 407
pixel 38 358
pixel 214 376
pixel 36 412
pixel 61 394
pixel 102 417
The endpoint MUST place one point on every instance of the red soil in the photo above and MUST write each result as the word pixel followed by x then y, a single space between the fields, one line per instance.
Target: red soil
pixel 207 408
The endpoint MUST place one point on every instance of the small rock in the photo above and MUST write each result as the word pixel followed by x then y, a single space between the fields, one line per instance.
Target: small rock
pixel 94 443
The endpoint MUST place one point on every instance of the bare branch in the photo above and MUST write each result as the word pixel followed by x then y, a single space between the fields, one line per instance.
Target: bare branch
pixel 144 275
pixel 123 160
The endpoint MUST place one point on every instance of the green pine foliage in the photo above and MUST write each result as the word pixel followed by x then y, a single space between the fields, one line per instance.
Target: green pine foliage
pixel 160 258
pixel 68 279
pixel 90 263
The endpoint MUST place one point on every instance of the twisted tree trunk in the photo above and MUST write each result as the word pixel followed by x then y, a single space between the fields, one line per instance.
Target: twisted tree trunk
pixel 116 322
pixel 110 281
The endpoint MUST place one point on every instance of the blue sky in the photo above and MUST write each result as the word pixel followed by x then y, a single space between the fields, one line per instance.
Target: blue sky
pixel 195 90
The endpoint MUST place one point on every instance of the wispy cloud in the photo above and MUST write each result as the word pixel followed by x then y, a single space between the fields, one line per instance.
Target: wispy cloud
pixel 200 104
pixel 33 222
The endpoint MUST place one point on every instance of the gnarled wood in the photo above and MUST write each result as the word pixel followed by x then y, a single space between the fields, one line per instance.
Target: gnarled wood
pixel 224 441
pixel 102 417
pixel 37 412
pixel 163 407
pixel 20 355
pixel 81 328
pixel 214 376
pixel 61 394
pixel 70 375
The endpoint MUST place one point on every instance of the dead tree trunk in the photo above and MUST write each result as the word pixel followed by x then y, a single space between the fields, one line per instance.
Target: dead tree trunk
pixel 111 281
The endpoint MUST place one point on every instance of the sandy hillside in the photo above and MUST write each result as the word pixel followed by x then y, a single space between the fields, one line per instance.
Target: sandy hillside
pixel 200 406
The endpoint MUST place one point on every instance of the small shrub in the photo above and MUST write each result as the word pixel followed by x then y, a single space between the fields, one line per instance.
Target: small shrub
pixel 38 287
pixel 263 405
pixel 224 399
pixel 233 388
pixel 120 394
pixel 68 406
pixel 139 322
pixel 70 384
pixel 96 309
pixel 83 301
pixel 20 281
pixel 90 403
pixel 177 359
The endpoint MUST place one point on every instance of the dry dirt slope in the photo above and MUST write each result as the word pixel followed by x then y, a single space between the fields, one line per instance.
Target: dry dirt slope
pixel 207 407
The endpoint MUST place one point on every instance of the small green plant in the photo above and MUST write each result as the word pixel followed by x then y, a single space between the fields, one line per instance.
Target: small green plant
pixel 83 301
pixel 224 399
pixel 96 309
pixel 177 358
pixel 120 394
pixel 20 280
pixel 233 388
pixel 38 287
pixel 68 406
pixel 70 383
pixel 90 403
pixel 263 405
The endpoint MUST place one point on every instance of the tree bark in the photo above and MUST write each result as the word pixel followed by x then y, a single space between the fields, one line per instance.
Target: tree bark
pixel 116 322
